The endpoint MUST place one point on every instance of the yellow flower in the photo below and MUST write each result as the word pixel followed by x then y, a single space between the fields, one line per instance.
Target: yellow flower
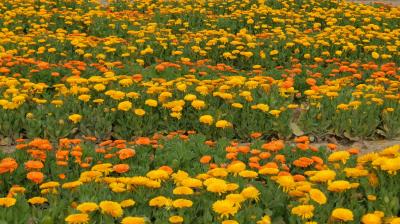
pixel 323 176
pixel 371 218
pixel 342 214
pixel 87 207
pixel 75 118
pixel 111 208
pixel 140 112
pixel 99 87
pixel 182 190
pixel 37 200
pixel 224 208
pixel 85 98
pixel 275 113
pixel 342 156
pixel 206 119
pixel 237 199
pixel 229 222
pixel 273 52
pixel 304 211
pixel 265 220
pixel 182 203
pixel 286 182
pixel 248 174
pixel 151 103
pixel 223 124
pixel 371 197
pixel 339 186
pixel 125 106
pixel 160 201
pixel 375 55
pixel 237 105
pixel 175 219
pixel 133 220
pixel 7 202
pixel 198 104
pixel 77 219
pixel 317 196
pixel 127 203
pixel 250 193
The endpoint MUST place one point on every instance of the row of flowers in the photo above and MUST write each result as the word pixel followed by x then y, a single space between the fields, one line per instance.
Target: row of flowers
pixel 182 178
pixel 249 34
pixel 348 105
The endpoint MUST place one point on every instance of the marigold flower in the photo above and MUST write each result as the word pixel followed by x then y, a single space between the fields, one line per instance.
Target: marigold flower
pixel 75 118
pixel 225 208
pixel 342 214
pixel 7 202
pixel 175 219
pixel 36 177
pixel 111 208
pixel 77 219
pixel 206 119
pixel 304 211
pixel 133 220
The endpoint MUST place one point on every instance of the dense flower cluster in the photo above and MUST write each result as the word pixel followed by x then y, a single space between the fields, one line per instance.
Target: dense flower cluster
pixel 175 177
pixel 228 96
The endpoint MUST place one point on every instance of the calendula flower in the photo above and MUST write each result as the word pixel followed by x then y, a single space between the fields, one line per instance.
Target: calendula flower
pixel 75 118
pixel 339 186
pixel 304 211
pixel 265 220
pixel 317 196
pixel 341 156
pixel 225 208
pixel 77 219
pixel 175 219
pixel 342 214
pixel 151 103
pixel 223 124
pixel 251 193
pixel 127 203
pixel 87 207
pixel 36 177
pixel 111 208
pixel 206 119
pixel 140 112
pixel 7 202
pixel 37 200
pixel 125 106
pixel 371 218
pixel 133 220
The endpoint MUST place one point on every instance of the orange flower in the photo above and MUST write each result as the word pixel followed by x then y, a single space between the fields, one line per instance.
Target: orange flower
pixel 36 177
pixel 280 158
pixel 126 153
pixel 302 146
pixel 301 139
pixel 243 149
pixel 264 155
pixel 274 145
pixel 8 165
pixel 332 146
pixel 121 168
pixel 168 169
pixel 354 151
pixel 255 134
pixel 205 159
pixel 303 162
pixel 143 141
pixel 33 165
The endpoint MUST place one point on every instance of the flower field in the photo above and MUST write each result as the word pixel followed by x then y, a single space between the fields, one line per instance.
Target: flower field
pixel 198 111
